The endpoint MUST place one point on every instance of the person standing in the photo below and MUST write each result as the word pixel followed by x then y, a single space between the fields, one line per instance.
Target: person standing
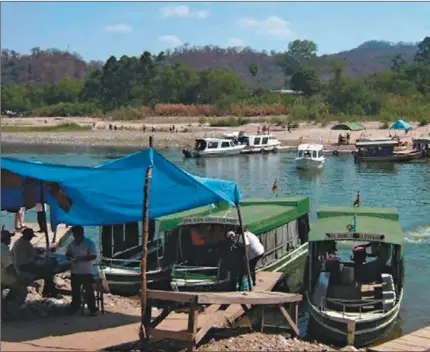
pixel 41 217
pixel 255 251
pixel 19 218
pixel 82 252
pixel 10 279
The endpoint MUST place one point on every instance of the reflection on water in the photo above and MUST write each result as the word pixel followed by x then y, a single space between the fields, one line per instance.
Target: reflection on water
pixel 403 186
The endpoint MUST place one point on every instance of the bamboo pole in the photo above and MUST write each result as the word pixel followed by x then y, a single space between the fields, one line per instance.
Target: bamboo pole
pixel 145 221
pixel 45 222
pixel 242 234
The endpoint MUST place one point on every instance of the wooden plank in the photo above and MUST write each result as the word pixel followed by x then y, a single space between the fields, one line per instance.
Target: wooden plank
pixel 183 297
pixel 252 298
pixel 405 346
pixel 163 315
pixel 168 334
pixel 382 348
pixel 290 321
pixel 416 340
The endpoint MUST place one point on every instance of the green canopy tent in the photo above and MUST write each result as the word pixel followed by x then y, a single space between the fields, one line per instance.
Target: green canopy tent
pixel 348 126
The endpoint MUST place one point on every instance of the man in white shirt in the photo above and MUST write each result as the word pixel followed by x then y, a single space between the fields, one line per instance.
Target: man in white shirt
pixel 9 279
pixel 255 251
pixel 82 252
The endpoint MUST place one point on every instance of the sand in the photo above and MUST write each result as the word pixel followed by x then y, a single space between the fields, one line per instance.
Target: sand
pixel 130 134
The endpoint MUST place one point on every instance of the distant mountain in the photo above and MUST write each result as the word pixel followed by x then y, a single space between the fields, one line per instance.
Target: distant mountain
pixel 49 66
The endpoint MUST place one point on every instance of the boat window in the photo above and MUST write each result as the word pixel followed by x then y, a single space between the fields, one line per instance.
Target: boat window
pixel 212 145
pixel 225 144
pixel 307 154
pixel 319 153
pixel 257 140
pixel 314 153
pixel 200 145
pixel 265 140
pixel 300 154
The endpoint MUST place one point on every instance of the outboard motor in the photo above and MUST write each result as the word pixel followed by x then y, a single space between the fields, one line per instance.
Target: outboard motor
pixel 186 153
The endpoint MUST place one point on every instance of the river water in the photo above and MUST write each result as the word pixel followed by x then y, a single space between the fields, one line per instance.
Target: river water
pixel 403 186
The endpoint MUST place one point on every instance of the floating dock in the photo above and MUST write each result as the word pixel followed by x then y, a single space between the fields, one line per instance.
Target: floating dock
pixel 418 341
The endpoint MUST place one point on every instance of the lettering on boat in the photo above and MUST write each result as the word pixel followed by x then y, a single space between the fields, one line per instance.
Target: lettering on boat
pixel 210 220
pixel 356 236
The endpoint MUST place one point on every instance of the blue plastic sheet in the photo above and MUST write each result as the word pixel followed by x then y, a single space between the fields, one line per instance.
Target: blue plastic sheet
pixel 112 193
pixel 401 125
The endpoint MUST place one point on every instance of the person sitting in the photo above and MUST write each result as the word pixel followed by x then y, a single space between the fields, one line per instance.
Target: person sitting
pixel 82 252
pixel 30 266
pixel 10 279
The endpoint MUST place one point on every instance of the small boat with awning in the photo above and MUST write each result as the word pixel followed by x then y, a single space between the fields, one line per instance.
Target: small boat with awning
pixel 355 273
pixel 382 150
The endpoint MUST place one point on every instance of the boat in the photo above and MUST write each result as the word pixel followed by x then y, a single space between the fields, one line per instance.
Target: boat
pixel 310 156
pixel 282 225
pixel 343 290
pixel 422 144
pixel 210 147
pixel 258 143
pixel 380 150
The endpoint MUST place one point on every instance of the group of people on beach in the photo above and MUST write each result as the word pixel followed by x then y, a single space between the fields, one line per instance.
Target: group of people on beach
pixel 24 264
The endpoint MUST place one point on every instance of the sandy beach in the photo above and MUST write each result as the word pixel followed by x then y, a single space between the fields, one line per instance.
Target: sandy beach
pixel 131 134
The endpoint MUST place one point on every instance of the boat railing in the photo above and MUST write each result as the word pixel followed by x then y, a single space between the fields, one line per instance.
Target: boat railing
pixel 356 303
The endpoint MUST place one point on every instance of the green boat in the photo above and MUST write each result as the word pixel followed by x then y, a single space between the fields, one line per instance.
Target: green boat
pixel 355 274
pixel 282 225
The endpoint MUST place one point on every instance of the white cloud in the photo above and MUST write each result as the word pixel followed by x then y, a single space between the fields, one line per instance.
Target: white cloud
pixel 183 11
pixel 173 40
pixel 235 42
pixel 118 28
pixel 271 26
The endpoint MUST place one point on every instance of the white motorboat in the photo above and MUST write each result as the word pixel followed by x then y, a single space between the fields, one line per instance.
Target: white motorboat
pixel 258 143
pixel 310 156
pixel 207 147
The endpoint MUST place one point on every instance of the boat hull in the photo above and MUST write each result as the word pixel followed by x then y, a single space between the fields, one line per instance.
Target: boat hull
pixel 194 154
pixel 309 164
pixel 335 332
pixel 392 158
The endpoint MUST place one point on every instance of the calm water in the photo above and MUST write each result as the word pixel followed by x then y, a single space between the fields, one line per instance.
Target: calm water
pixel 403 186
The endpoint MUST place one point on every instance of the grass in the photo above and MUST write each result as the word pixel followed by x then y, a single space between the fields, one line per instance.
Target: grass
pixel 62 127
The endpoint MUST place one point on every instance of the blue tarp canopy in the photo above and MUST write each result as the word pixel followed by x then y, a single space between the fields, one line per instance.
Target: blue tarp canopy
pixel 112 193
pixel 401 125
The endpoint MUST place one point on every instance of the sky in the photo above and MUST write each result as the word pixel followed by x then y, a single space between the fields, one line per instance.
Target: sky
pixel 97 30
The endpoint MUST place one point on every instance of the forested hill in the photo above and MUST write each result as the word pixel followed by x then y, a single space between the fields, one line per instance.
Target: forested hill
pixel 49 66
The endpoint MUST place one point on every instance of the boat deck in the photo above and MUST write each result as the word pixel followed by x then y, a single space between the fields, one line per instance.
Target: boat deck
pixel 418 341
pixel 39 241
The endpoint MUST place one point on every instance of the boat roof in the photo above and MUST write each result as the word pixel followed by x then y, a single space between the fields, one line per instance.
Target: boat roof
pixel 376 142
pixel 260 215
pixel 423 140
pixel 213 139
pixel 259 135
pixel 310 147
pixel 334 219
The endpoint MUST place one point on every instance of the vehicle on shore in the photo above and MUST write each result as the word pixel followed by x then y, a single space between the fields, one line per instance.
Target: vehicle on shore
pixel 361 293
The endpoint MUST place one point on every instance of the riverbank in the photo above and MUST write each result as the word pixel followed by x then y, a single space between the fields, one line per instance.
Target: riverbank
pixel 95 132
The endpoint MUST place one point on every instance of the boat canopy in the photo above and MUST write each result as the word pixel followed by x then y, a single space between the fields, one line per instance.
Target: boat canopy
pixel 349 126
pixel 111 193
pixel 370 225
pixel 310 147
pixel 401 125
pixel 422 140
pixel 366 143
pixel 259 215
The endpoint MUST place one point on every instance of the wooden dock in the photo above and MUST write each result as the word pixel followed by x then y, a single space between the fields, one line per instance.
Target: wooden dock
pixel 418 341
pixel 39 241
pixel 207 310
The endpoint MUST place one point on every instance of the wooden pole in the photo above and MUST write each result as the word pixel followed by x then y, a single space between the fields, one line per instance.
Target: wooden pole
pixel 45 222
pixel 242 234
pixel 145 221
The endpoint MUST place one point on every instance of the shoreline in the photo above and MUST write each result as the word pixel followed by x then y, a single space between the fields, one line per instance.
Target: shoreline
pixel 131 135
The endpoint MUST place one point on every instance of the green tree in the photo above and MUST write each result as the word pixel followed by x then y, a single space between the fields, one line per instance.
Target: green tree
pixel 398 63
pixel 306 81
pixel 302 50
pixel 253 70
pixel 219 85
pixel 423 54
